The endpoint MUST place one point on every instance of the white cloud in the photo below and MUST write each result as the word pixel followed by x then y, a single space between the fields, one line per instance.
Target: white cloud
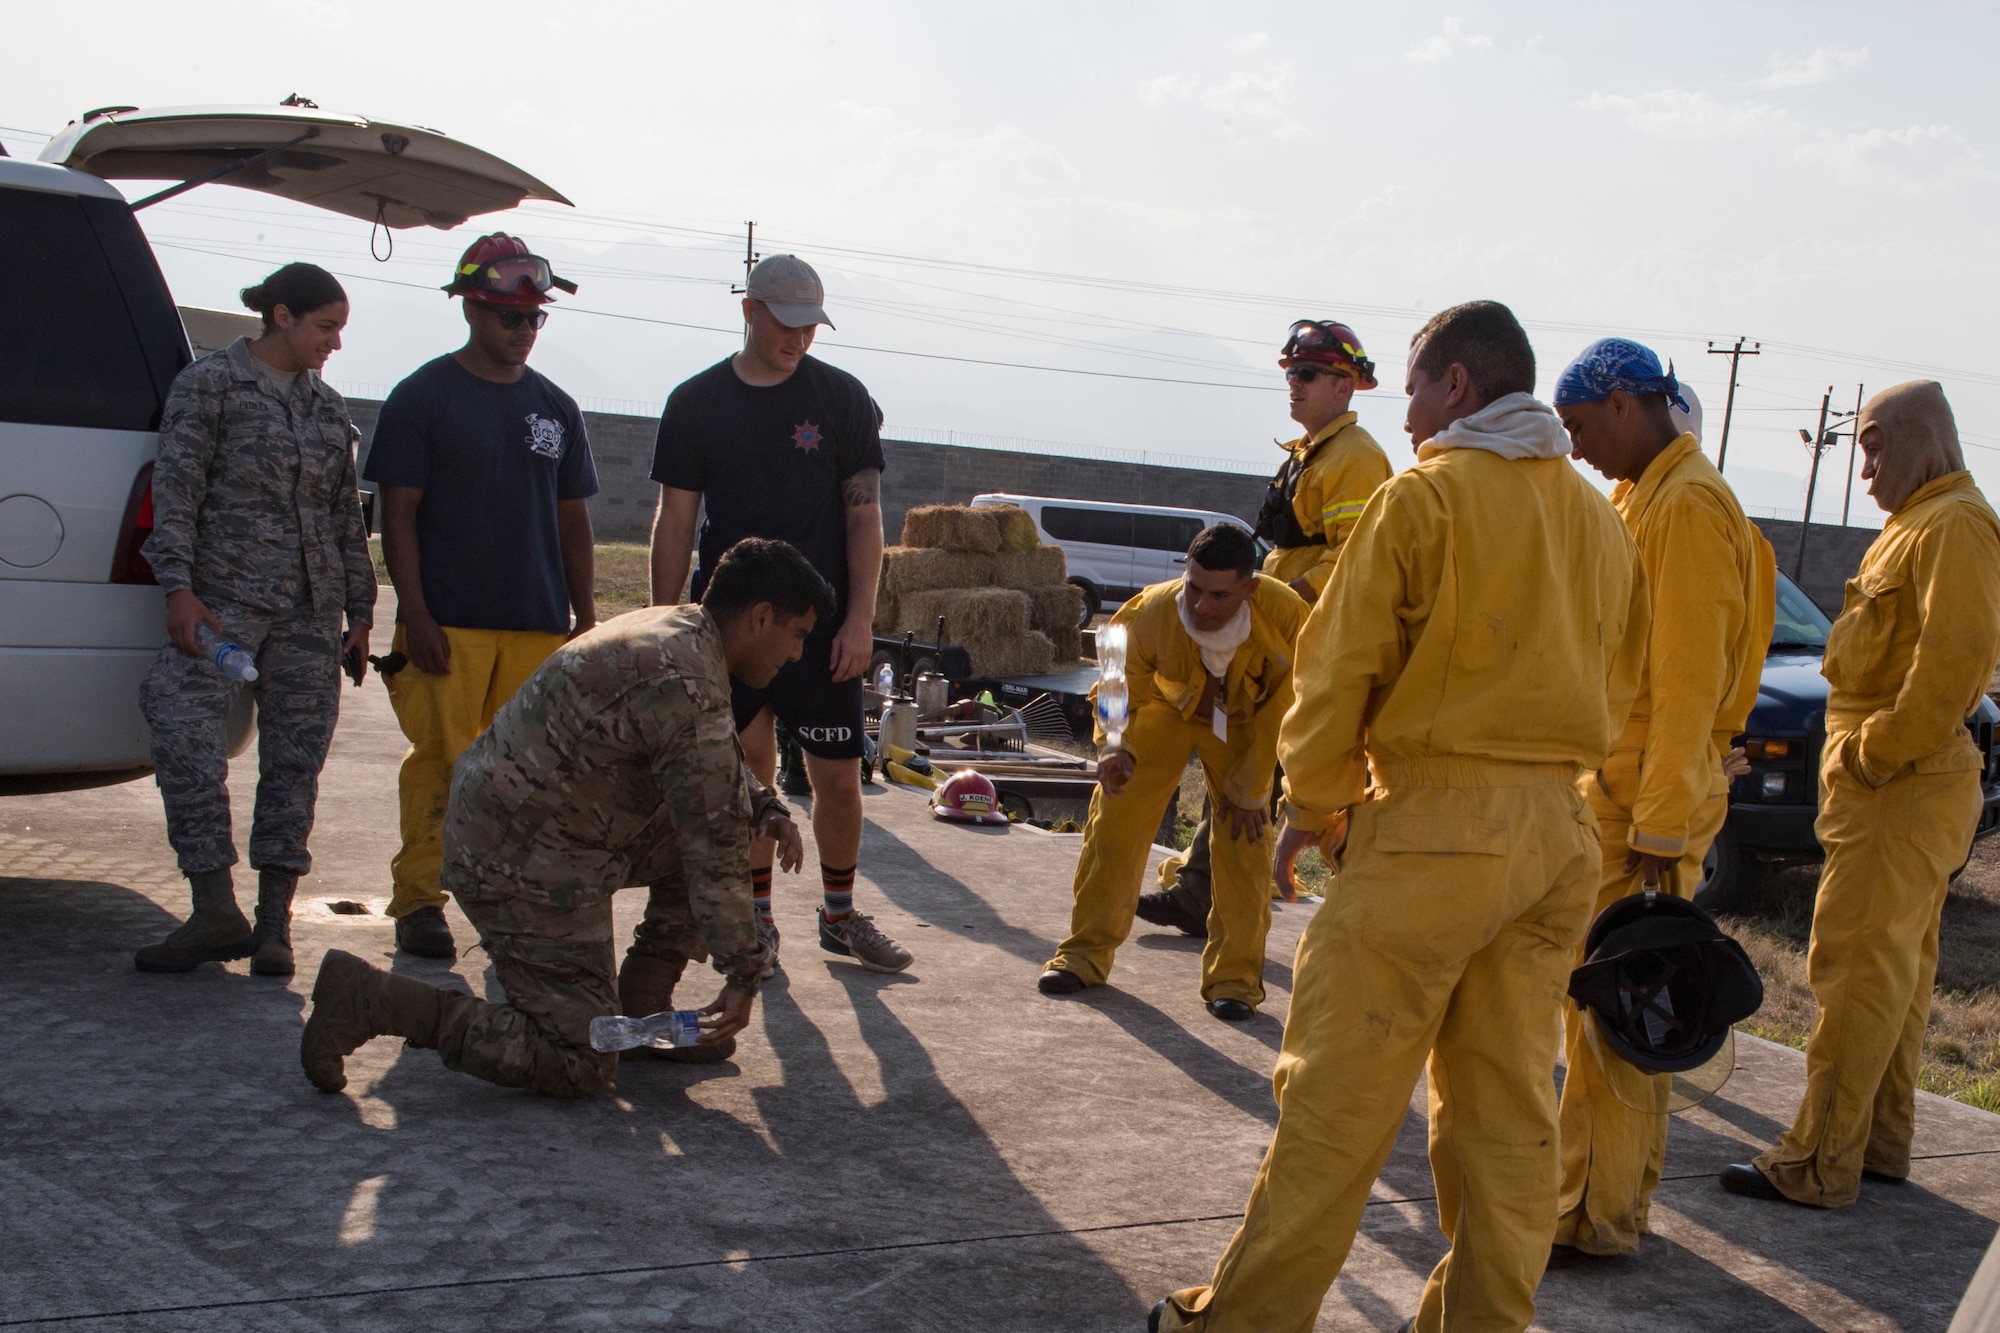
pixel 1004 161
pixel 1672 113
pixel 1443 45
pixel 1250 41
pixel 328 15
pixel 1918 158
pixel 1243 93
pixel 1822 65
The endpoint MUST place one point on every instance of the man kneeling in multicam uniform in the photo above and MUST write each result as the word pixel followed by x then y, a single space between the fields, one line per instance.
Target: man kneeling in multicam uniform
pixel 616 764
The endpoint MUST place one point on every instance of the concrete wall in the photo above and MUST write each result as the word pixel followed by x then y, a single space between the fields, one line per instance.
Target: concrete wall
pixel 921 474
pixel 1833 553
pixel 917 474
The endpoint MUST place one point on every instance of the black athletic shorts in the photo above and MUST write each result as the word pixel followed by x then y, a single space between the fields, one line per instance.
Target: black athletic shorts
pixel 823 715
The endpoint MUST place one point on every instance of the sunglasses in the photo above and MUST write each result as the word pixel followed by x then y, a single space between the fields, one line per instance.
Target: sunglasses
pixel 1307 374
pixel 514 319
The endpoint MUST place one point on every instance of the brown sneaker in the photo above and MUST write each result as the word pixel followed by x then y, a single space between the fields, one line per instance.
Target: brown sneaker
pixel 426 934
pixel 858 937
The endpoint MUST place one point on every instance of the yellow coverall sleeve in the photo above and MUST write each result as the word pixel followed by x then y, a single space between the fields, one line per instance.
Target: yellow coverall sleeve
pixel 1354 645
pixel 1332 494
pixel 1698 603
pixel 1956 573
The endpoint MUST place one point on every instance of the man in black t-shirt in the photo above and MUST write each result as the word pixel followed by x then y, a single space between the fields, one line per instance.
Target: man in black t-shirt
pixel 774 443
pixel 484 470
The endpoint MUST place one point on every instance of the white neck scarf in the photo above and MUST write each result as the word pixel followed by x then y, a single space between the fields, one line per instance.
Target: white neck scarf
pixel 1514 426
pixel 1217 646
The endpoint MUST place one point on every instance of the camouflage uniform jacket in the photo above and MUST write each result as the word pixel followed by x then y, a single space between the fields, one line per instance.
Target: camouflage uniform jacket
pixel 617 764
pixel 254 498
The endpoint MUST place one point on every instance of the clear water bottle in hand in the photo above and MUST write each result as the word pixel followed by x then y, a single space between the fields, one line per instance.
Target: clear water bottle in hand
pixel 231 659
pixel 673 1027
pixel 1114 699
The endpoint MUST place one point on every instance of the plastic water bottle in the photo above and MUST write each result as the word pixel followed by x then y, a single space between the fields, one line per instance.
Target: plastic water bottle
pixel 1114 699
pixel 231 659
pixel 673 1027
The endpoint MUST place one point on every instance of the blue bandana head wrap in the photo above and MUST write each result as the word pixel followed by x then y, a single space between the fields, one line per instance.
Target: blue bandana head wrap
pixel 1616 363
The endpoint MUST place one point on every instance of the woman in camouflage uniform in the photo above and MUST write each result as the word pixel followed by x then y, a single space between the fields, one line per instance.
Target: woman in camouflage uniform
pixel 257 540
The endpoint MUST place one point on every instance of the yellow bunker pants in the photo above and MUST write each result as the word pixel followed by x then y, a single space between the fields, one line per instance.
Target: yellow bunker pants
pixel 440 716
pixel 1611 1153
pixel 1890 852
pixel 1463 891
pixel 1116 840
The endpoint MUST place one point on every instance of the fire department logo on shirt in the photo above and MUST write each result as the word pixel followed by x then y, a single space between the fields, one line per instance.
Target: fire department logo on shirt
pixel 545 436
pixel 805 436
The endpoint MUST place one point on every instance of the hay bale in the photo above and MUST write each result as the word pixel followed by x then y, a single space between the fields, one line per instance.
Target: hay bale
pixel 1066 641
pixel 885 611
pixel 952 528
pixel 923 568
pixel 1028 570
pixel 1053 607
pixel 971 615
pixel 1026 654
pixel 1017 527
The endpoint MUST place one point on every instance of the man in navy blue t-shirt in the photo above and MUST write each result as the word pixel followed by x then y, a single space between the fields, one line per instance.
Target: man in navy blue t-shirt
pixel 775 443
pixel 484 470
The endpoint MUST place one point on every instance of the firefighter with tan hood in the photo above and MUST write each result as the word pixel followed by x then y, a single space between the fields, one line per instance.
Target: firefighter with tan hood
pixel 1900 797
pixel 1661 795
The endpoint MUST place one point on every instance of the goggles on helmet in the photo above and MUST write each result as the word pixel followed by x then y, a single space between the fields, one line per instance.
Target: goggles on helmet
pixel 1324 340
pixel 504 276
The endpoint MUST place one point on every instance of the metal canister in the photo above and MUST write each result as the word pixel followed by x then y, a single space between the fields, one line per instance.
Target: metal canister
pixel 899 724
pixel 933 694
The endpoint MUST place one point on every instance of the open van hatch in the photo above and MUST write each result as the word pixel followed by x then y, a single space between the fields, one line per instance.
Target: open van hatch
pixel 394 175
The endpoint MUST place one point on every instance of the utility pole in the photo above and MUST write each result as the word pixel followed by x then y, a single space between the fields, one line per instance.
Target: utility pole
pixel 1853 439
pixel 1817 444
pixel 750 257
pixel 1735 355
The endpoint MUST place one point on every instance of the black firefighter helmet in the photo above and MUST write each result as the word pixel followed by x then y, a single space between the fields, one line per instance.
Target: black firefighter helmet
pixel 1663 982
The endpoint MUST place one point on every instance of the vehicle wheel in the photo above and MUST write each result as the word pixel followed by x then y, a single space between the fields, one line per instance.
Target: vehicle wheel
pixel 1092 604
pixel 1731 877
pixel 1017 805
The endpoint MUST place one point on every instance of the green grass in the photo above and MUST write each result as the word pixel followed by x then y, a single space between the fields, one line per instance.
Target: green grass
pixel 622 582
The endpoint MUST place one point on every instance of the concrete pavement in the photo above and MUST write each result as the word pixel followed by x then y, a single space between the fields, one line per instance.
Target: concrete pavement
pixel 942 1149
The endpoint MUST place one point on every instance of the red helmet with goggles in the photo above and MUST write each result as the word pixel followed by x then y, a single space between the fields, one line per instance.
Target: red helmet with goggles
pixel 1324 343
pixel 500 269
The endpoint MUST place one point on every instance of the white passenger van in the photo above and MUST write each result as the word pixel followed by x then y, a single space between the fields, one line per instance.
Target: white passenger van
pixel 88 348
pixel 1114 550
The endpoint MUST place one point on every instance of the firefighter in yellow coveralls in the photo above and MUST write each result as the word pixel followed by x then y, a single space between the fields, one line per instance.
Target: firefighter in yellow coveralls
pixel 1912 652
pixel 1209 666
pixel 1477 655
pixel 1661 795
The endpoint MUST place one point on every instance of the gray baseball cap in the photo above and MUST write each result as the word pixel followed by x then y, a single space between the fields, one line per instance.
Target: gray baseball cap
pixel 794 293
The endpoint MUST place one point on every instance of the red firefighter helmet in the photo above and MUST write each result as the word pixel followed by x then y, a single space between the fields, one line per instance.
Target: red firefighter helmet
pixel 1326 343
pixel 968 797
pixel 500 269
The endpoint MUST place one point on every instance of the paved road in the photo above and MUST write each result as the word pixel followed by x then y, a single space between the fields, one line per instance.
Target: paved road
pixel 939 1150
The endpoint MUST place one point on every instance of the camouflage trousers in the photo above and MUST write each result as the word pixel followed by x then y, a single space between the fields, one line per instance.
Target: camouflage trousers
pixel 553 952
pixel 186 702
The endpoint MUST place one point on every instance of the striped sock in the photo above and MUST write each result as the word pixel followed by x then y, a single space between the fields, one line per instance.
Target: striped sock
pixel 760 892
pixel 838 887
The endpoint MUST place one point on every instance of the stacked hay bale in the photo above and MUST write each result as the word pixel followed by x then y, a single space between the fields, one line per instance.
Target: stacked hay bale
pixel 1001 593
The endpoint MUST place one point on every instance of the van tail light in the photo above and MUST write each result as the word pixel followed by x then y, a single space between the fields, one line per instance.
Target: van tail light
pixel 127 565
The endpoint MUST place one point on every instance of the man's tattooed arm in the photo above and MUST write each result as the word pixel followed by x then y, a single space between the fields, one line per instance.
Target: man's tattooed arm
pixel 863 488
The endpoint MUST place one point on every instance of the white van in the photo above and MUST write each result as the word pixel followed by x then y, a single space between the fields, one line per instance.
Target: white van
pixel 1114 550
pixel 90 344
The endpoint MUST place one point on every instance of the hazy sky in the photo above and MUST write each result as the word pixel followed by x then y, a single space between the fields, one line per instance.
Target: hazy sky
pixel 1151 191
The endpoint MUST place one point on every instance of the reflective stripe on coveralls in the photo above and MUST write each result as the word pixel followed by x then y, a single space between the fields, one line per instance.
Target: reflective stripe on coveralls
pixel 1487 626
pixel 441 715
pixel 1332 492
pixel 1908 659
pixel 1712 581
pixel 1166 681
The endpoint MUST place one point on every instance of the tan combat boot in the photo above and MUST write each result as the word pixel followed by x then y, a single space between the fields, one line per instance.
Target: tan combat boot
pixel 353 1002
pixel 215 932
pixel 273 956
pixel 645 987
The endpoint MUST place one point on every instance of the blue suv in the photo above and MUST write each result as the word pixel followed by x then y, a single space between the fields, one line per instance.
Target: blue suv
pixel 1772 807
